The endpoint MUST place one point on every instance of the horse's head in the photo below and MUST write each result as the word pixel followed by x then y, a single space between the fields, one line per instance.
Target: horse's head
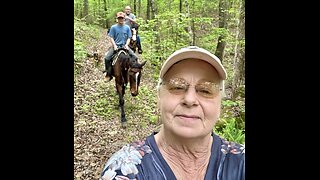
pixel 134 73
pixel 135 26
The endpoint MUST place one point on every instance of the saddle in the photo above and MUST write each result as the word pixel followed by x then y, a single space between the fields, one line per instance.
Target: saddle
pixel 115 58
pixel 116 55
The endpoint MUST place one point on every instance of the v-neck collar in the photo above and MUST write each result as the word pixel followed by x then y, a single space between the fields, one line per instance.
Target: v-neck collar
pixel 212 168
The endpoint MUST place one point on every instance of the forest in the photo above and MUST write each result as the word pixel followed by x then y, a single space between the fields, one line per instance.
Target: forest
pixel 165 26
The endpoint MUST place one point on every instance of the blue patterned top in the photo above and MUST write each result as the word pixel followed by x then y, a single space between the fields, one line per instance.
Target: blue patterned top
pixel 142 160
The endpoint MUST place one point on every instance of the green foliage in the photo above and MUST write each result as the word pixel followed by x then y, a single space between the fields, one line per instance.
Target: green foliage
pixel 231 132
pixel 154 119
pixel 241 91
pixel 79 54
pixel 105 106
pixel 162 35
pixel 232 121
pixel 79 51
pixel 83 33
pixel 148 108
pixel 234 109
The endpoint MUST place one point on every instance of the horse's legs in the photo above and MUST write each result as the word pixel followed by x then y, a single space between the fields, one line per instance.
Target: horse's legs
pixel 138 44
pixel 121 90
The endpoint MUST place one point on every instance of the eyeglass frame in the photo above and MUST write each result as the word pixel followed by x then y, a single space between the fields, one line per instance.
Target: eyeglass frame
pixel 221 86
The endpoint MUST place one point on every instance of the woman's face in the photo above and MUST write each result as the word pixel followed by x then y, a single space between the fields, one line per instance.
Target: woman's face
pixel 190 98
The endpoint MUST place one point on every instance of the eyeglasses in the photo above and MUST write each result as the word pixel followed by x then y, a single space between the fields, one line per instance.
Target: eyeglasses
pixel 204 89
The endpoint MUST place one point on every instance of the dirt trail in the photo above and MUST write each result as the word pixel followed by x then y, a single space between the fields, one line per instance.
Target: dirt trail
pixel 98 135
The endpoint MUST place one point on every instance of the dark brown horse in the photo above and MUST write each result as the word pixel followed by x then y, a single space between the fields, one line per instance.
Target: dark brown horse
pixel 133 40
pixel 126 68
pixel 133 43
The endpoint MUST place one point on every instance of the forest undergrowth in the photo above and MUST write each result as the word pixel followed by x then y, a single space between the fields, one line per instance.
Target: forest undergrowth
pixel 97 130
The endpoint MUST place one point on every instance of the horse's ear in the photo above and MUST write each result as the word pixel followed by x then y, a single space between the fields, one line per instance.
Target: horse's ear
pixel 143 63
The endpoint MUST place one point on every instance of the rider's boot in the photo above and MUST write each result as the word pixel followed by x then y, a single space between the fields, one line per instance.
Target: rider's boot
pixel 108 71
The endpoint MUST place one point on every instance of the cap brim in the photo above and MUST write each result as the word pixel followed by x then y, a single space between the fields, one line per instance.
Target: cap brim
pixel 194 53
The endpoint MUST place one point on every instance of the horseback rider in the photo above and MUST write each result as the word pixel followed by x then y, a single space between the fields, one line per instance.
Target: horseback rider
pixel 130 20
pixel 120 34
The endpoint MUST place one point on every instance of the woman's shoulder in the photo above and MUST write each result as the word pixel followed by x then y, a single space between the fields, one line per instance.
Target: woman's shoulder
pixel 232 160
pixel 229 147
pixel 124 162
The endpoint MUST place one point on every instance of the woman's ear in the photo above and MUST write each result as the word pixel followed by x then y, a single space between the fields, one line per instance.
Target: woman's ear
pixel 158 102
pixel 158 94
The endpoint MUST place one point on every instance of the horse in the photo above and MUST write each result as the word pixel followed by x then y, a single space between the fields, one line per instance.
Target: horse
pixel 133 39
pixel 126 68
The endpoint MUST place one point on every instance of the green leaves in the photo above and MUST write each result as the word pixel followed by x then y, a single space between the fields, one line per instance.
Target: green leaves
pixel 231 132
pixel 232 121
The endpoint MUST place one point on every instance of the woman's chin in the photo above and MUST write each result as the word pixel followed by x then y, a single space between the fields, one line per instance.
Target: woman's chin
pixel 187 131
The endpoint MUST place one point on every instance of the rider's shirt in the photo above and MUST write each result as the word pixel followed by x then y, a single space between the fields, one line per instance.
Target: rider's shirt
pixel 127 21
pixel 120 34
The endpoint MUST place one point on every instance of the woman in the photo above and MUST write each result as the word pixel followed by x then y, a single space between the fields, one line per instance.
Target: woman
pixel 190 90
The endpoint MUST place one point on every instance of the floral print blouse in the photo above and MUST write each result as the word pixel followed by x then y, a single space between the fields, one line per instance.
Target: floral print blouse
pixel 142 160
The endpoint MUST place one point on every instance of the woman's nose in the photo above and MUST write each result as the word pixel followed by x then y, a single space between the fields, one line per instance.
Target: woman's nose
pixel 190 97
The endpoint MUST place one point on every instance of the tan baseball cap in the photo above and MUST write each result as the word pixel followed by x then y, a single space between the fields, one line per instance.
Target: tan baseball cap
pixel 193 52
pixel 120 14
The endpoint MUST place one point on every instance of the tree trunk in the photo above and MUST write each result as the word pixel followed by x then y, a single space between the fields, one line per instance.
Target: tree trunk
pixel 189 26
pixel 139 8
pixel 75 9
pixel 169 5
pixel 193 34
pixel 135 7
pixel 222 24
pixel 193 28
pixel 105 13
pixel 239 57
pixel 148 9
pixel 154 9
pixel 85 10
pixel 154 12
